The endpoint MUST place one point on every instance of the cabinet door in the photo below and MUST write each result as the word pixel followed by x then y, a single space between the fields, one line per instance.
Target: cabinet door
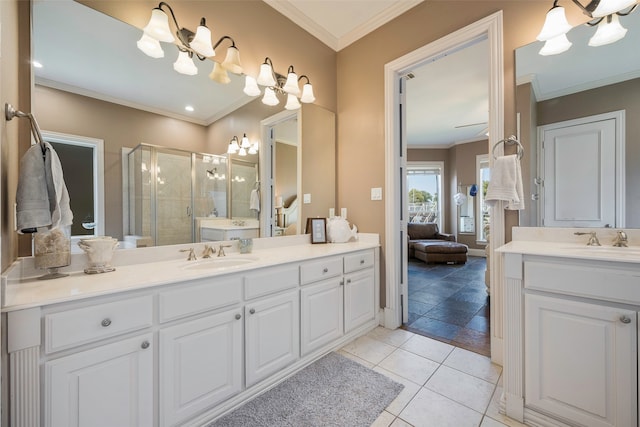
pixel 272 335
pixel 322 314
pixel 106 386
pixel 359 299
pixel 200 365
pixel 580 361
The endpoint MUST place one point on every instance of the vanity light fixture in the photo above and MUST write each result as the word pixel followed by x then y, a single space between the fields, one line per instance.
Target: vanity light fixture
pixel 602 13
pixel 242 147
pixel 277 83
pixel 233 146
pixel 189 44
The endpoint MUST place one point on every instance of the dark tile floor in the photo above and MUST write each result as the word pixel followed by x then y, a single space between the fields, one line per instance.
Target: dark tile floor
pixel 450 303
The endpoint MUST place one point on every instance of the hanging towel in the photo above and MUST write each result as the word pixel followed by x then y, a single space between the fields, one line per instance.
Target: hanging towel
pixel 506 183
pixel 42 198
pixel 254 200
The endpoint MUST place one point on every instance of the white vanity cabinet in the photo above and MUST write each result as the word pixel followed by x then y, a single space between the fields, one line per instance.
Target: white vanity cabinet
pixel 359 289
pixel 110 385
pixel 571 341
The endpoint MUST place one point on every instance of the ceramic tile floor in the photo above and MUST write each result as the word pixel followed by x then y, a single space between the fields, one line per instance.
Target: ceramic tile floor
pixel 450 303
pixel 444 385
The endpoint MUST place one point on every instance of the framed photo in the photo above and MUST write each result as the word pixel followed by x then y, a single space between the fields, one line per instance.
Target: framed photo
pixel 317 227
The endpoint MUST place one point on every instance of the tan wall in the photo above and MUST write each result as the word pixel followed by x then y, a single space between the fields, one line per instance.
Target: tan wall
pixel 620 96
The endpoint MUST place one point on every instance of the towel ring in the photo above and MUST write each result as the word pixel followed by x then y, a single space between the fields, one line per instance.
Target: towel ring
pixel 509 141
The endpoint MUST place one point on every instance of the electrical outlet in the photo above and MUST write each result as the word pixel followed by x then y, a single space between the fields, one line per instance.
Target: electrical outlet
pixel 306 198
pixel 376 193
pixel 343 213
pixel 332 212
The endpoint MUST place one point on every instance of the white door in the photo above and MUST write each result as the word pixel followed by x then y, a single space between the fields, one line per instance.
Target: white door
pixel 580 361
pixel 107 386
pixel 200 365
pixel 580 173
pixel 322 314
pixel 359 299
pixel 272 335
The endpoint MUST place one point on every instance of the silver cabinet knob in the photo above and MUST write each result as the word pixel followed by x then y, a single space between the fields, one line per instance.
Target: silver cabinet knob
pixel 625 319
pixel 145 344
pixel 238 316
pixel 252 311
pixel 348 280
pixel 105 322
pixel 361 261
pixel 325 270
pixel 341 282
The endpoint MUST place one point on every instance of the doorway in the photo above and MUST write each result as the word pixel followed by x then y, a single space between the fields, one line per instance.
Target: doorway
pixel 396 163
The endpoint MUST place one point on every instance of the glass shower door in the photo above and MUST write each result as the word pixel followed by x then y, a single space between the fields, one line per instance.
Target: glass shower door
pixel 174 209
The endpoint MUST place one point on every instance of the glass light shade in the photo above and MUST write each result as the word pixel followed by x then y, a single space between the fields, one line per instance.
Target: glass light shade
pixel 554 25
pixel 150 46
pixel 270 97
pixel 254 148
pixel 555 45
pixel 232 61
pixel 233 146
pixel 242 152
pixel 307 94
pixel 265 78
pixel 245 142
pixel 158 26
pixel 184 64
pixel 201 43
pixel 607 7
pixel 292 102
pixel 219 74
pixel 608 32
pixel 251 86
pixel 291 86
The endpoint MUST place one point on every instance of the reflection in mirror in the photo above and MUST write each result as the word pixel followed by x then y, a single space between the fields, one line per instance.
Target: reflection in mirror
pixel 576 113
pixel 286 141
pixel 466 216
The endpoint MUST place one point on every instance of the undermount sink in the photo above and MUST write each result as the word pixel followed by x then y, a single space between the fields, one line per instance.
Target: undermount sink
pixel 223 262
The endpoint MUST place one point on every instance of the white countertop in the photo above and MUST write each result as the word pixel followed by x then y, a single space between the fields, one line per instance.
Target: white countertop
pixel 562 242
pixel 229 227
pixel 23 290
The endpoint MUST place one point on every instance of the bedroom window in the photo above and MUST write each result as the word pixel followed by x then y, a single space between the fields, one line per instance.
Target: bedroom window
pixel 483 171
pixel 424 183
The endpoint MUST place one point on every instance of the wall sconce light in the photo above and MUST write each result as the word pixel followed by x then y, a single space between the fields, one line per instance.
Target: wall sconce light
pixel 277 83
pixel 190 44
pixel 603 13
pixel 242 147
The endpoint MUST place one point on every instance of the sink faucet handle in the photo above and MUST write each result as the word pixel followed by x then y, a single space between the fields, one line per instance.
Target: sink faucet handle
pixel 593 239
pixel 192 254
pixel 221 250
pixel 620 239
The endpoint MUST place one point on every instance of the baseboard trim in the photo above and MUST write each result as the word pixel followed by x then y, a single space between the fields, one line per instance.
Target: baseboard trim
pixel 477 252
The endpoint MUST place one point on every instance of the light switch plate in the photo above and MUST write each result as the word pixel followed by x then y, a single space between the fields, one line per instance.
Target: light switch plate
pixel 376 193
pixel 306 198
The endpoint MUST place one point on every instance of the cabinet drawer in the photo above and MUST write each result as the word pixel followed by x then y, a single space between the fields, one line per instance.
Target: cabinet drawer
pixel 71 328
pixel 209 234
pixel 358 261
pixel 270 280
pixel 583 279
pixel 320 270
pixel 199 296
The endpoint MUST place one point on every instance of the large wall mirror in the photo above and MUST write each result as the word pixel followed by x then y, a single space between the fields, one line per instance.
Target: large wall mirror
pixel 577 112
pixel 70 41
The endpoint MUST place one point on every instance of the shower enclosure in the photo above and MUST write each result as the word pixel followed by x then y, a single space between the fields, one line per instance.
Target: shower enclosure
pixel 170 188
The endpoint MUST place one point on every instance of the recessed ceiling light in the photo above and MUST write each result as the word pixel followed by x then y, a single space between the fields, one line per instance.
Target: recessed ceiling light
pixel 189 108
pixel 36 64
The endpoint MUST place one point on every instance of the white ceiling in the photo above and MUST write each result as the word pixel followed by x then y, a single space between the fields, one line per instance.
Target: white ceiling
pixel 107 65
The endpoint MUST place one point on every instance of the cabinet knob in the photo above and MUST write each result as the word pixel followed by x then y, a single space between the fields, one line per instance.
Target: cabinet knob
pixel 252 311
pixel 625 319
pixel 238 316
pixel 145 344
pixel 325 270
pixel 348 280
pixel 341 282
pixel 361 261
pixel 105 322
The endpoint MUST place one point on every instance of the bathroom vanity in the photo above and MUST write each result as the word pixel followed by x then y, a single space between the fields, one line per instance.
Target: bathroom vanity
pixel 571 328
pixel 163 341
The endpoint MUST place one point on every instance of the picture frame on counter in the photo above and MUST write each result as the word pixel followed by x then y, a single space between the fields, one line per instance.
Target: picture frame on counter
pixel 317 227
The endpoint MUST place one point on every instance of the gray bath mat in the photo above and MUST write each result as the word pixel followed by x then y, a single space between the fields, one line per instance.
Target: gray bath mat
pixel 334 391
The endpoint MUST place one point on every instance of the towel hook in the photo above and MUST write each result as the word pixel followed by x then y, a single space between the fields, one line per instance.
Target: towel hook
pixel 10 112
pixel 509 141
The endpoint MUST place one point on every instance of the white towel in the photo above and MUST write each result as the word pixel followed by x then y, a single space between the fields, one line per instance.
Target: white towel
pixel 42 198
pixel 254 200
pixel 506 183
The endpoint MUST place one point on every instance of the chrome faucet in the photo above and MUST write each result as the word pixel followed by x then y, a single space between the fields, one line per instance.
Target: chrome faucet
pixel 221 250
pixel 192 254
pixel 208 251
pixel 620 240
pixel 593 239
